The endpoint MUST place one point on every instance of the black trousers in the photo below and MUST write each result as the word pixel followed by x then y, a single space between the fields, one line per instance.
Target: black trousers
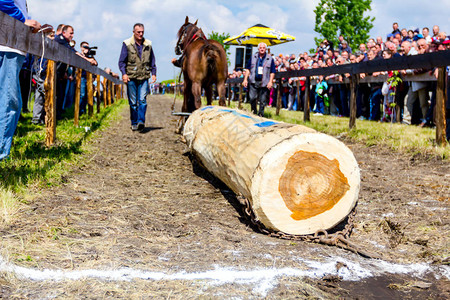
pixel 258 94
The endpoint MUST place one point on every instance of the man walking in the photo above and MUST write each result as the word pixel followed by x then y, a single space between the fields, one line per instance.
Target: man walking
pixel 261 71
pixel 11 61
pixel 137 64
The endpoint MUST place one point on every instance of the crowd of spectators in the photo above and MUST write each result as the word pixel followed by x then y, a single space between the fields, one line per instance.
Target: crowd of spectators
pixel 412 101
pixel 35 68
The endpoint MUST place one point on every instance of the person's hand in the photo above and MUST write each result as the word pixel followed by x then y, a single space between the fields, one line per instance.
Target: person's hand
pixel 125 78
pixel 269 85
pixel 153 78
pixel 35 25
pixel 245 83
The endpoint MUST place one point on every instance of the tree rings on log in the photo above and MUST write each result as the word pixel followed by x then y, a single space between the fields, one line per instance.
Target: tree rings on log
pixel 297 180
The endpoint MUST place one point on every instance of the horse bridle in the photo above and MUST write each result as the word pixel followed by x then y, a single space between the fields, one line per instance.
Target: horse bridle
pixel 179 49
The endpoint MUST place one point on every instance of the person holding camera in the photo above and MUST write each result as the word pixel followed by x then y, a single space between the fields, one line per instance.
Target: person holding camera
pixel 88 54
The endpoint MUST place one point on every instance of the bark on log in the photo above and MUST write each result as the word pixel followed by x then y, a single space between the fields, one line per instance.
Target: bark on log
pixel 297 180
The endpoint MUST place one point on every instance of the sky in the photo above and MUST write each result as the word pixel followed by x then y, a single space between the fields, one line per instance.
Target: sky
pixel 107 23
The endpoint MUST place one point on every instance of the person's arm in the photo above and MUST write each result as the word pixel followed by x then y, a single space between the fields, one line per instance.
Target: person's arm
pixel 272 74
pixel 123 63
pixel 10 8
pixel 153 65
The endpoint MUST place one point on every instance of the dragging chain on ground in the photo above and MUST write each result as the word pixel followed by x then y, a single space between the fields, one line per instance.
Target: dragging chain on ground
pixel 338 238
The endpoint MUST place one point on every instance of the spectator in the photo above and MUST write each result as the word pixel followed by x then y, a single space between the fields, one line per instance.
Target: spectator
pixel 39 74
pixel 435 31
pixel 346 47
pixel 395 29
pixel 426 34
pixel 405 36
pixel 375 92
pixel 87 54
pixel 64 38
pixel 321 96
pixel 11 61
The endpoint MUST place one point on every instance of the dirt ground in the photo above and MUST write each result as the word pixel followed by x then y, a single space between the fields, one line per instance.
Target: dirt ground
pixel 137 206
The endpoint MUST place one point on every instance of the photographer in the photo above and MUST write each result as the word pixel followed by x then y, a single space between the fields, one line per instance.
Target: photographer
pixel 88 54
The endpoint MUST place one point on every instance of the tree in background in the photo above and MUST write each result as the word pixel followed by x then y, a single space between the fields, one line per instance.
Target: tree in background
pixel 343 17
pixel 220 38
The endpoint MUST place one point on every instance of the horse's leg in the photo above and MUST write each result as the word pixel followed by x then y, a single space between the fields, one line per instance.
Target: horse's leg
pixel 197 92
pixel 184 108
pixel 221 91
pixel 208 94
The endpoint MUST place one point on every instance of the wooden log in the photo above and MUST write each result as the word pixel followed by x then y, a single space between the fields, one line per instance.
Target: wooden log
pixel 50 104
pixel 297 180
pixel 90 93
pixel 441 97
pixel 76 115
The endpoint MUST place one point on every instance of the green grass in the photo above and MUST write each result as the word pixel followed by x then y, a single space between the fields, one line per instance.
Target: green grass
pixel 408 139
pixel 31 163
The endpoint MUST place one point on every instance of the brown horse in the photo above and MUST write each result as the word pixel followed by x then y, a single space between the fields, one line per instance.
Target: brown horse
pixel 204 62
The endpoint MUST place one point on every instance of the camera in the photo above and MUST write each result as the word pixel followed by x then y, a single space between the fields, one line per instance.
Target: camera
pixel 91 51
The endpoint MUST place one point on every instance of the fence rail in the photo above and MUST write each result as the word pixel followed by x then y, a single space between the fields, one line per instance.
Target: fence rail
pixel 433 60
pixel 17 35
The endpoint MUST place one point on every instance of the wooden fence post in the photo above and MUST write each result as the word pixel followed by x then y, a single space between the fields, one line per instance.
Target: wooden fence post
pixel 229 94
pixel 298 94
pixel 108 90
pixel 353 89
pixel 105 100
pixel 306 114
pixel 90 93
pixel 240 95
pixel 98 93
pixel 76 112
pixel 441 98
pixel 50 104
pixel 280 89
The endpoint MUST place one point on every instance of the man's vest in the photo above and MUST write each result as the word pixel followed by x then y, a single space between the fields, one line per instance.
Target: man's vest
pixel 138 67
pixel 266 68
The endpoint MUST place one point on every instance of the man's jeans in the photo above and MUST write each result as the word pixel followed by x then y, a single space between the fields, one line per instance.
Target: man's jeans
pixel 10 98
pixel 137 94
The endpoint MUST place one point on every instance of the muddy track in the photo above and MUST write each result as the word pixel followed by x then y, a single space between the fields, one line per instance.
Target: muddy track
pixel 137 203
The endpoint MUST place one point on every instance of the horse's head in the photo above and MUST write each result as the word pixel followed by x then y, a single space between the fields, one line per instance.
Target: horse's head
pixel 186 31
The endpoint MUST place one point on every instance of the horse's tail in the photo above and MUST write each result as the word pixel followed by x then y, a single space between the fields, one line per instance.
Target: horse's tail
pixel 212 54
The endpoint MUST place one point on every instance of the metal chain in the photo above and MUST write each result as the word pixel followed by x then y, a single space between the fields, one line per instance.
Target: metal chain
pixel 338 238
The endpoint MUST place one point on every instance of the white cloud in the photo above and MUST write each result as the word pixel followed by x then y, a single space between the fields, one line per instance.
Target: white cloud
pixel 107 23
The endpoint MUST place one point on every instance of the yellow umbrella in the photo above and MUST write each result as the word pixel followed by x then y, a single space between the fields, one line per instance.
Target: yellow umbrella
pixel 257 34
